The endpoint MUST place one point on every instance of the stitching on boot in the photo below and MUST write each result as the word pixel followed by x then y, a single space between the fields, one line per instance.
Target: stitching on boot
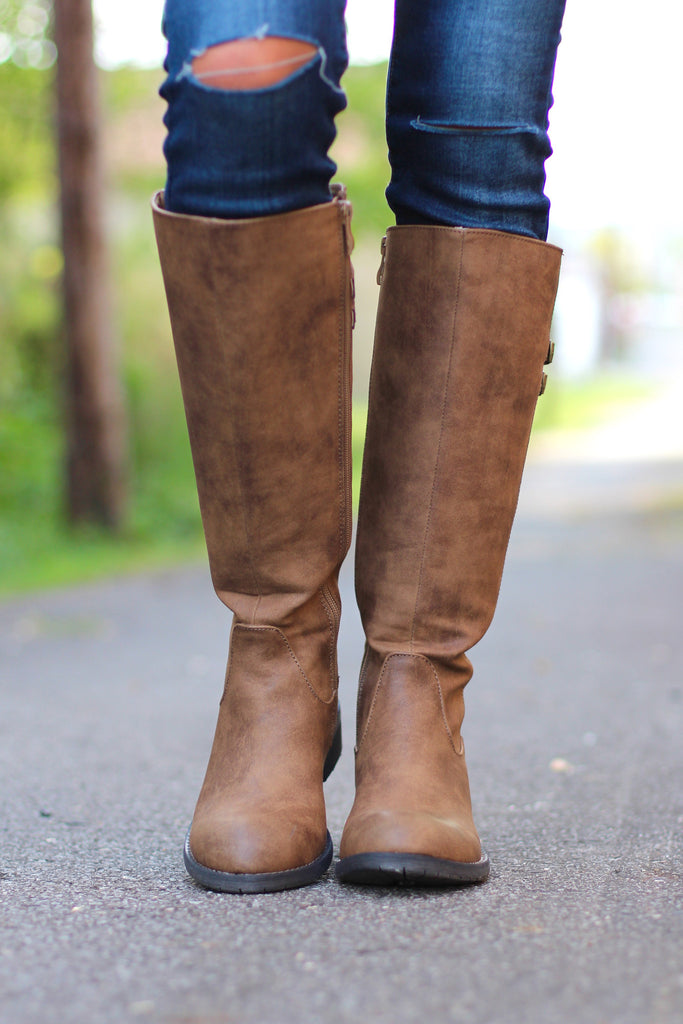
pixel 374 700
pixel 228 666
pixel 361 688
pixel 460 752
pixel 341 334
pixel 330 619
pixel 414 657
pixel 438 447
pixel 275 629
pixel 480 231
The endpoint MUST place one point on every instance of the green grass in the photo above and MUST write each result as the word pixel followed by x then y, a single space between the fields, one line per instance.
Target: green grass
pixel 39 549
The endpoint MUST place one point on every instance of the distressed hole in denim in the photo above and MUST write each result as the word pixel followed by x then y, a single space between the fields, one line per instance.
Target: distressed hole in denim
pixel 446 128
pixel 256 62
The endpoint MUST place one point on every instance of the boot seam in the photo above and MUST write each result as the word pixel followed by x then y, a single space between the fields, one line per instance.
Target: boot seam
pixel 361 687
pixel 438 447
pixel 374 701
pixel 341 329
pixel 219 223
pixel 479 231
pixel 371 389
pixel 228 666
pixel 342 345
pixel 290 651
pixel 442 704
pixel 324 599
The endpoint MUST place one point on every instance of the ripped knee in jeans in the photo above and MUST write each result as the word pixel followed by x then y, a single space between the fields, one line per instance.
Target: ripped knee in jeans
pixel 252 63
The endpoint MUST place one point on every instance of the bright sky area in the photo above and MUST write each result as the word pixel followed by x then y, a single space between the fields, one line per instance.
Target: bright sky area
pixel 614 126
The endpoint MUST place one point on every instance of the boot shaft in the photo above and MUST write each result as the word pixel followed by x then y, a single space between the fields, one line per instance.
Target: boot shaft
pixel 462 335
pixel 261 318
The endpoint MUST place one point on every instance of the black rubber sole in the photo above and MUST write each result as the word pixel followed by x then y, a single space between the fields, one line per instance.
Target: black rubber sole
pixel 272 881
pixel 409 869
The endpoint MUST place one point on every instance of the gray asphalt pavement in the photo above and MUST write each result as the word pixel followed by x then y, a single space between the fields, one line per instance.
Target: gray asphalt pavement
pixel 108 696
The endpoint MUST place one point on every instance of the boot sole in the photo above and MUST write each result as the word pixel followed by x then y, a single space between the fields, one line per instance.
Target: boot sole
pixel 409 869
pixel 270 881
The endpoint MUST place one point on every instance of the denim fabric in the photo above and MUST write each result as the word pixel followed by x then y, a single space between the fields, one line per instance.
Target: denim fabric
pixel 467 111
pixel 255 152
pixel 467 125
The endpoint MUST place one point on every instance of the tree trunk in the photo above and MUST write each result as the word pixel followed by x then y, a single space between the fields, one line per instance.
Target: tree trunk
pixel 95 427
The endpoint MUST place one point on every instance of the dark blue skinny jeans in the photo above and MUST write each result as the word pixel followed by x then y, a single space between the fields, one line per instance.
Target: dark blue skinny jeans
pixel 468 96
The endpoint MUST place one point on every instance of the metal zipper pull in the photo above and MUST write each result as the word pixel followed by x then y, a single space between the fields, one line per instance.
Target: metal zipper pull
pixel 383 250
pixel 346 211
pixel 348 234
pixel 352 284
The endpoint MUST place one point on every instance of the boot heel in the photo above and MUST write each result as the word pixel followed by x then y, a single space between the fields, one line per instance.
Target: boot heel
pixel 334 753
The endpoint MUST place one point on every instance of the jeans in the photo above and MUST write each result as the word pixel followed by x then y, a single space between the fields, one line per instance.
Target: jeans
pixel 468 96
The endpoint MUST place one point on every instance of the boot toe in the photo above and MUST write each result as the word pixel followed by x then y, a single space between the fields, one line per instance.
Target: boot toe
pixel 410 832
pixel 254 844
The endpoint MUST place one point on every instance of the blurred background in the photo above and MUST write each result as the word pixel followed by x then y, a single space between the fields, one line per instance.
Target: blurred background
pixel 616 387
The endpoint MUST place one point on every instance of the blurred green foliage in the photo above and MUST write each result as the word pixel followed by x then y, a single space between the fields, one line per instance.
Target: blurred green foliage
pixel 360 150
pixel 26 150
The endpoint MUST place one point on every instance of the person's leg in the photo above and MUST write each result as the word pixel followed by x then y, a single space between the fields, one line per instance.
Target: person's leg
pixel 261 314
pixel 252 92
pixel 462 335
pixel 467 112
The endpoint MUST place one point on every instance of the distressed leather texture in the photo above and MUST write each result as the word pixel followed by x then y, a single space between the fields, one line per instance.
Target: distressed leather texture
pixel 462 336
pixel 261 317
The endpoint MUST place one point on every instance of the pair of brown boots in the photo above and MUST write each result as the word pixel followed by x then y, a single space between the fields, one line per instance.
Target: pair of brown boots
pixel 262 316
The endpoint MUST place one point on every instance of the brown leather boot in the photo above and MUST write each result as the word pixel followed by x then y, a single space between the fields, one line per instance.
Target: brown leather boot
pixel 261 312
pixel 462 336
